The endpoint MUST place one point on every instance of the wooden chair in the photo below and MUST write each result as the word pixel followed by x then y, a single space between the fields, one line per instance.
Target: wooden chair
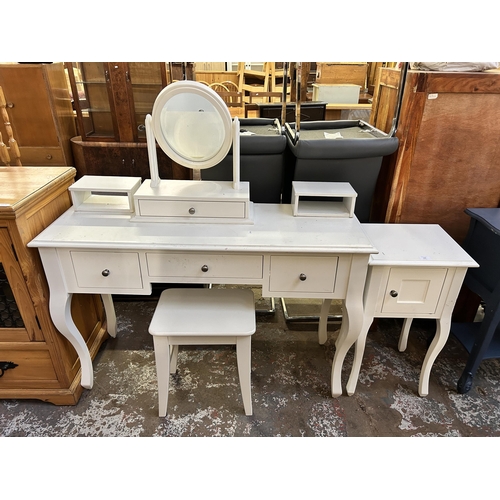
pixel 203 316
pixel 233 99
pixel 12 149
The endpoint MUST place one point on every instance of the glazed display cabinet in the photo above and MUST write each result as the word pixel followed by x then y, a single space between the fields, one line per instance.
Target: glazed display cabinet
pixel 111 101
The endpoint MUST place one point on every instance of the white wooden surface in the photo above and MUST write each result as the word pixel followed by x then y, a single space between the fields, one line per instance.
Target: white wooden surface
pixel 417 273
pixel 125 256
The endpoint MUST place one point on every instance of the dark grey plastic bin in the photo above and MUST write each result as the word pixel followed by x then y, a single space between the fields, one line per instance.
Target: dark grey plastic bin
pixel 261 160
pixel 355 157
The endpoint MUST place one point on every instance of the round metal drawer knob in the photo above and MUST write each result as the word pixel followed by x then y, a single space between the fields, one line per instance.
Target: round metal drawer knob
pixel 105 273
pixel 302 277
pixel 192 211
pixel 204 268
pixel 393 293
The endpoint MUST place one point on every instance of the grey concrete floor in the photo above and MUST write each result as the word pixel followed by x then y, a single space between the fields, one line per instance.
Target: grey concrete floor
pixel 290 388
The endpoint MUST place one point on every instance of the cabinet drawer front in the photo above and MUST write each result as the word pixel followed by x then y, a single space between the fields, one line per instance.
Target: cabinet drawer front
pixel 107 269
pixel 33 365
pixel 193 209
pixel 204 265
pixel 318 274
pixel 413 290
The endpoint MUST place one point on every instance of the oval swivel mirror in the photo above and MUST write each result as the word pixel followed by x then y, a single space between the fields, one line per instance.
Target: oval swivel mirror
pixel 193 126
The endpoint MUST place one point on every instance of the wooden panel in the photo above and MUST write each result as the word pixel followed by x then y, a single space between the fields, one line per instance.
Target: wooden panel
pixel 385 98
pixel 452 168
pixel 449 145
pixel 355 73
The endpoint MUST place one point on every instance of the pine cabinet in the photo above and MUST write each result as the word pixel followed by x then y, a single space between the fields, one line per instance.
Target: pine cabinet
pixel 36 361
pixel 40 112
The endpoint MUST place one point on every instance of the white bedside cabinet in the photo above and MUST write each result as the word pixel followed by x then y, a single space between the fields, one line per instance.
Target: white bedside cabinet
pixel 417 273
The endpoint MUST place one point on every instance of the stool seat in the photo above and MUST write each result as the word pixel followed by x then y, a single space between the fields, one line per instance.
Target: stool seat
pixel 203 311
pixel 202 316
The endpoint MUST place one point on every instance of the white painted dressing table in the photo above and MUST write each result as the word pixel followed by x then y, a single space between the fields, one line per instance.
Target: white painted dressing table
pixel 306 257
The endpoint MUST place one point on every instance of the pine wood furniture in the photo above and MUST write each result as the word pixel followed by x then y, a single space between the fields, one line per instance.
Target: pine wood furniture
pixel 47 367
pixel 41 115
pixel 11 149
pixel 203 316
pixel 417 273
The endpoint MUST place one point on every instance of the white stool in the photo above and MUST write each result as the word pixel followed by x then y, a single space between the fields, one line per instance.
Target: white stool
pixel 202 316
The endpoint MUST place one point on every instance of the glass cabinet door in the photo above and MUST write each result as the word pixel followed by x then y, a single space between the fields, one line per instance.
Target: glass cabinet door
pixel 147 81
pixel 92 100
pixel 111 100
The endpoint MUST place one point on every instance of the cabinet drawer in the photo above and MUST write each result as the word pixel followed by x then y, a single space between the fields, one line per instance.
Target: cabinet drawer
pixel 217 266
pixel 33 365
pixel 107 270
pixel 193 209
pixel 303 274
pixel 411 290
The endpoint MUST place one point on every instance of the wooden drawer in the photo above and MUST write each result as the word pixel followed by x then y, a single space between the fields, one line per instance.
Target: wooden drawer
pixel 303 275
pixel 411 290
pixel 45 156
pixel 193 209
pixel 34 366
pixel 202 266
pixel 106 272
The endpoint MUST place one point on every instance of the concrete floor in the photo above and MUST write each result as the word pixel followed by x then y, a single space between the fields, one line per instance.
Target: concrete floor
pixel 290 388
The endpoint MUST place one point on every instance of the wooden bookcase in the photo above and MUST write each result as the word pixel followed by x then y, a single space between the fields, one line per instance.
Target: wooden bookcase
pixel 47 365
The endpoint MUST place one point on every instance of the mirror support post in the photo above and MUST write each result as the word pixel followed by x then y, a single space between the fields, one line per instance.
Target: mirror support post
pixel 236 154
pixel 153 158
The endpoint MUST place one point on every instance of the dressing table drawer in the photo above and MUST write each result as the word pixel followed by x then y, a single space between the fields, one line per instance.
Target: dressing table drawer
pixel 192 209
pixel 103 271
pixel 204 266
pixel 302 275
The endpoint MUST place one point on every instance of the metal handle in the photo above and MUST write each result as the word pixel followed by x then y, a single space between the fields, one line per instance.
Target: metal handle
pixel 302 277
pixel 106 273
pixel 6 365
pixel 9 104
pixel 192 211
pixel 141 127
pixel 204 268
pixel 393 293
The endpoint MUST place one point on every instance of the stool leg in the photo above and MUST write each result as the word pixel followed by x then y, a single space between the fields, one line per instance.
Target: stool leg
pixel 162 359
pixel 243 358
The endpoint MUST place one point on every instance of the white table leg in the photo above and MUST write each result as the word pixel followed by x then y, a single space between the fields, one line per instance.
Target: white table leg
pixel 437 344
pixel 405 332
pixel 60 312
pixel 352 319
pixel 109 309
pixel 359 350
pixel 323 321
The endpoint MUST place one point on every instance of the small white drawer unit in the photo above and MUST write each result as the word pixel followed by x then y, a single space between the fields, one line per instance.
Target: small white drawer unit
pixel 417 273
